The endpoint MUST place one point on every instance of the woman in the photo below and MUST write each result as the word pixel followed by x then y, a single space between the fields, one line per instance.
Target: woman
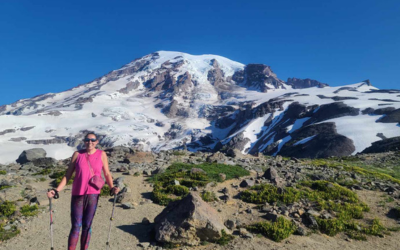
pixel 84 196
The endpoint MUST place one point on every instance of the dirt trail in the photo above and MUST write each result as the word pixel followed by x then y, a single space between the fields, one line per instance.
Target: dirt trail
pixel 128 231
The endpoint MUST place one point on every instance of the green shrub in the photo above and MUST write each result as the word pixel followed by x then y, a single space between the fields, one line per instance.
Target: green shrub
pixel 45 171
pixel 4 187
pixel 356 166
pixel 276 231
pixel 331 226
pixel 263 193
pixel 41 179
pixel 105 190
pixel 8 234
pixel 323 194
pixel 376 228
pixel 177 190
pixel 165 189
pixel 7 208
pixel 59 175
pixel 28 210
pixel 356 235
pixel 224 239
pixel 161 198
pixel 3 172
pixel 208 196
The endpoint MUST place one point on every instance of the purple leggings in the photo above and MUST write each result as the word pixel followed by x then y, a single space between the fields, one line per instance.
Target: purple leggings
pixel 83 208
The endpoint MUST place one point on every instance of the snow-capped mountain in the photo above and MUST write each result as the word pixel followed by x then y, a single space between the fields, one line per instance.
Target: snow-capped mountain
pixel 167 100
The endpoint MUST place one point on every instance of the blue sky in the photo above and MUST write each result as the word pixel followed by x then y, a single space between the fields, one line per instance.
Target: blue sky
pixel 51 46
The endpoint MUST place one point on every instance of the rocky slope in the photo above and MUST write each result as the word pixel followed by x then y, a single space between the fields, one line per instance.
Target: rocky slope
pixel 25 183
pixel 170 100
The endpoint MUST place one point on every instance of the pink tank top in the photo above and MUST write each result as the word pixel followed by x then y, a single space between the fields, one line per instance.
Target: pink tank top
pixel 81 186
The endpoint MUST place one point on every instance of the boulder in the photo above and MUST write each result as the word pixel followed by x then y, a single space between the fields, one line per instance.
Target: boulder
pixel 247 183
pixel 188 222
pixel 30 155
pixel 389 144
pixel 44 162
pixel 271 174
pixel 217 157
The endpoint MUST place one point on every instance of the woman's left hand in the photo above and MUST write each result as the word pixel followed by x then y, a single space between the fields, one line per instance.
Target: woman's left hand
pixel 115 190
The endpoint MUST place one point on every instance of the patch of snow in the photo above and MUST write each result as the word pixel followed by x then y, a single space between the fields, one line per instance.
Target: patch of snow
pixel 305 140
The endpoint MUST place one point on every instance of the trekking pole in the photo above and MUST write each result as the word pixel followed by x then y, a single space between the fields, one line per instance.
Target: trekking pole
pixel 111 219
pixel 51 218
pixel 51 225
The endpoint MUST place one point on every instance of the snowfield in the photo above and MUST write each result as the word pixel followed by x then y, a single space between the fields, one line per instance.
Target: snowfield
pixel 141 117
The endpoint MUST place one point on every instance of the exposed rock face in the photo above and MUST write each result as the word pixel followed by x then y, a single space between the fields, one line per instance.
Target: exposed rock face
pixel 161 81
pixel 183 84
pixel 7 131
pixel 382 111
pixel 297 83
pixel 172 109
pixel 385 145
pixel 18 139
pixel 332 110
pixel 338 98
pixel 237 142
pixel 216 76
pixel 318 141
pixel 129 87
pixel 27 128
pixel 390 117
pixel 54 113
pixel 56 140
pixel 30 155
pixel 257 77
pixel 188 222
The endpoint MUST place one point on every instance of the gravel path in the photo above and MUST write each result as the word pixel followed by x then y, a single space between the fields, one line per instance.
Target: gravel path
pixel 128 231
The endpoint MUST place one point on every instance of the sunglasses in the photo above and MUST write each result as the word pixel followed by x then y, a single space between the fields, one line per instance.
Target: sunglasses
pixel 89 139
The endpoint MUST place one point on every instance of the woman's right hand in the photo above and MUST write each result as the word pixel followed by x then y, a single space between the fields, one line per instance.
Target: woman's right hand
pixel 51 193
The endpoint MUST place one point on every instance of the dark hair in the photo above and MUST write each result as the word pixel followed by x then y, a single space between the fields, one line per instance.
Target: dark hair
pixel 90 133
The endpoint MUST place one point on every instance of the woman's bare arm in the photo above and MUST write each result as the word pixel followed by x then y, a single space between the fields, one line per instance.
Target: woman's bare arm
pixel 67 176
pixel 107 173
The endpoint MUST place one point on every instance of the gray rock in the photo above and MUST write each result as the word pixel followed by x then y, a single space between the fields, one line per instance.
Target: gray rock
pixel 126 206
pixel 30 155
pixel 230 224
pixel 301 231
pixel 188 221
pixel 247 183
pixel 312 222
pixel 271 174
pixel 271 216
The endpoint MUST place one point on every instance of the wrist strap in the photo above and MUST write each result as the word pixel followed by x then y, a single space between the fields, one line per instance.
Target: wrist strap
pixel 56 195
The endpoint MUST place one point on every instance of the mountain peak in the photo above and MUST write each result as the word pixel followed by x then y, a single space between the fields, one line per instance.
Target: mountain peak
pixel 166 98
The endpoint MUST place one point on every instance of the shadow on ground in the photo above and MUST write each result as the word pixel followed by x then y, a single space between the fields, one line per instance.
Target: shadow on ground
pixel 147 195
pixel 144 233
